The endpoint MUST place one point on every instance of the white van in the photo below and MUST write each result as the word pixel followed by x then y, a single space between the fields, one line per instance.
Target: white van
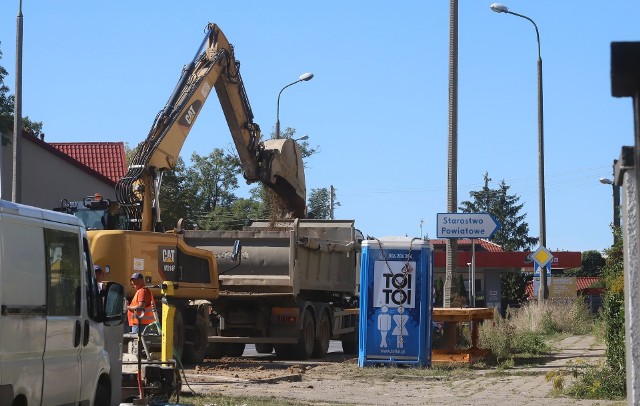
pixel 59 337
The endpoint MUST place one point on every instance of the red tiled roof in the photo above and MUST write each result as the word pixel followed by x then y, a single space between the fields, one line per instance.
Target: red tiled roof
pixel 106 158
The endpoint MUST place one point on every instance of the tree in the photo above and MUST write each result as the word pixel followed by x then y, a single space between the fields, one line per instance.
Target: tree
pixel 213 179
pixel 319 206
pixel 439 290
pixel 513 287
pixel 592 264
pixel 513 234
pixel 175 199
pixel 7 103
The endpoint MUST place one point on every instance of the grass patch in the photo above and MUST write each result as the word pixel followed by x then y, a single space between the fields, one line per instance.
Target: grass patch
pixel 524 335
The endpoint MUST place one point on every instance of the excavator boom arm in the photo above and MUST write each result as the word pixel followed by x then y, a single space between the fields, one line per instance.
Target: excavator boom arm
pixel 277 163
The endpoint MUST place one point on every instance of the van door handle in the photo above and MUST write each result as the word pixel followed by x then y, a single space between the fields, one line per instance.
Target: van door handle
pixel 85 339
pixel 76 334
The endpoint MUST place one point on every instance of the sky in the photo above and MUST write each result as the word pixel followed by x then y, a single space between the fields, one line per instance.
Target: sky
pixel 378 105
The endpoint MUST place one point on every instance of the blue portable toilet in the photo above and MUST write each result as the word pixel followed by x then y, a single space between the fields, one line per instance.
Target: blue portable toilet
pixel 396 301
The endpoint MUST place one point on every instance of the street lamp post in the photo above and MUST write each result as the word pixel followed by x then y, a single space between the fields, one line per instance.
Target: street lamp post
pixel 501 8
pixel 470 295
pixel 305 77
pixel 616 204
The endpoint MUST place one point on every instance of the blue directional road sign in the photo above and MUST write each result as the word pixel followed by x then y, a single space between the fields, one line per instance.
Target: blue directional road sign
pixel 466 225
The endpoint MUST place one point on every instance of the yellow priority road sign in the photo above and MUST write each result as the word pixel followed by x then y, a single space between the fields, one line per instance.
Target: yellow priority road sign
pixel 542 256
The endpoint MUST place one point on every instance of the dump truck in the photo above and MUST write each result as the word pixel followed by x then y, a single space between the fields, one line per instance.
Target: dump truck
pixel 290 285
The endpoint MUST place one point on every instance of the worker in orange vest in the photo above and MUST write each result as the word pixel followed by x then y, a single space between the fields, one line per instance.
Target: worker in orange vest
pixel 142 304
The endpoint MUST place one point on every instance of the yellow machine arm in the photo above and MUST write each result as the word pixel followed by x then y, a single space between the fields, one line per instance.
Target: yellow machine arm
pixel 277 163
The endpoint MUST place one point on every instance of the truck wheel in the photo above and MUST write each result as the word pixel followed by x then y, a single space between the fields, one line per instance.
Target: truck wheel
pixel 321 343
pixel 263 348
pixel 194 353
pixel 235 349
pixel 304 348
pixel 178 334
pixel 350 342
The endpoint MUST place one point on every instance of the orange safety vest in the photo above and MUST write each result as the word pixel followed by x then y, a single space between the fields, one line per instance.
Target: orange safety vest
pixel 148 316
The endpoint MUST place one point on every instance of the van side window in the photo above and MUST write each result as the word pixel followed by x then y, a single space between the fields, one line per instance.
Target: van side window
pixel 62 252
pixel 94 298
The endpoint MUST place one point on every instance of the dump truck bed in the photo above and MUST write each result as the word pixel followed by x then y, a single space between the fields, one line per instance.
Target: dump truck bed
pixel 285 257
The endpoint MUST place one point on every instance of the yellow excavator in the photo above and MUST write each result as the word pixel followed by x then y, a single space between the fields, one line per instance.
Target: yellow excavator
pixel 133 237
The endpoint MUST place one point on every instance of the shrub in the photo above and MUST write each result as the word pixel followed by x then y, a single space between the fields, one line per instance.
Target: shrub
pixel 598 383
pixel 523 330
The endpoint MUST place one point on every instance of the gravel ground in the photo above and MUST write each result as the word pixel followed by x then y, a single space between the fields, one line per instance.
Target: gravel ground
pixel 337 380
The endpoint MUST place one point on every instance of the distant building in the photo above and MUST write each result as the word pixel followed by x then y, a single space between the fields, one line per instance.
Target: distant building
pixel 55 171
pixel 492 261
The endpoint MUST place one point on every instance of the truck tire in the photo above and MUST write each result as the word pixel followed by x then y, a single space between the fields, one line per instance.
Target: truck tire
pixel 235 349
pixel 263 348
pixel 321 343
pixel 178 334
pixel 350 342
pixel 304 348
pixel 195 352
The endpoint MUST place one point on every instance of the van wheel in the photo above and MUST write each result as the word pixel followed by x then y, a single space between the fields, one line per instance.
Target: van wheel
pixel 194 353
pixel 103 396
pixel 304 347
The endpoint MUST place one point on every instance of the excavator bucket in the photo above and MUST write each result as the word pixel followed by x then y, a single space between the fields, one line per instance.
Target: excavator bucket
pixel 283 171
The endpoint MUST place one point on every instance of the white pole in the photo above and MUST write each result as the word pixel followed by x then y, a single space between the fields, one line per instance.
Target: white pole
pixel 473 272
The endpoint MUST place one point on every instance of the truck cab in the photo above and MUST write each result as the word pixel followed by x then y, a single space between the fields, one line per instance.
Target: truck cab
pixel 59 334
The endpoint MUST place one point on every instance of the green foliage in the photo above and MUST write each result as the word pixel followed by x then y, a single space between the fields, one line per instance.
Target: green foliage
pixel 318 207
pixel 523 331
pixel 7 103
pixel 514 232
pixel 592 265
pixel 460 291
pixel 214 178
pixel 506 341
pixel 598 383
pixel 609 381
pixel 613 306
pixel 613 312
pixel 204 193
pixel 439 289
pixel 513 286
pixel 174 198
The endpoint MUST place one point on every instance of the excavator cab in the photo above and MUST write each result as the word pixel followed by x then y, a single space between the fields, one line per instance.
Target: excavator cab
pixel 95 212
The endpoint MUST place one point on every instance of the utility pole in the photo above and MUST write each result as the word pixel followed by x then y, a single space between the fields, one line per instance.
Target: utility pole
pixel 16 189
pixel 452 161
